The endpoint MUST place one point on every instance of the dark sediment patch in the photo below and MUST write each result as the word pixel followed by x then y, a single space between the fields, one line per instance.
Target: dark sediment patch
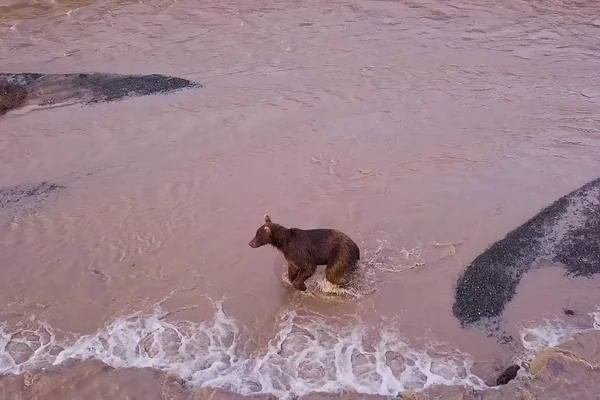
pixel 50 89
pixel 566 232
pixel 28 196
pixel 568 312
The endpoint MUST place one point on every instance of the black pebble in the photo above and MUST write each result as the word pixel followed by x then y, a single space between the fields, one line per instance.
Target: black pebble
pixel 568 312
pixel 508 375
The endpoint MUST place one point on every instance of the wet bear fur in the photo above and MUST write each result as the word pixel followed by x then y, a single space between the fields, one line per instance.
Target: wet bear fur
pixel 305 249
pixel 11 96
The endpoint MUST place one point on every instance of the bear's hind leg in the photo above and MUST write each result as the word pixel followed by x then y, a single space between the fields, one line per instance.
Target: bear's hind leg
pixel 339 271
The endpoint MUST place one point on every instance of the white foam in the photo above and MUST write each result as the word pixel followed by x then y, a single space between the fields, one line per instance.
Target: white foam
pixel 24 350
pixel 596 317
pixel 319 284
pixel 387 257
pixel 551 333
pixel 309 353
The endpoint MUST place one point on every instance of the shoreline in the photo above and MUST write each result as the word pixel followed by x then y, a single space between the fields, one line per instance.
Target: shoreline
pixel 96 379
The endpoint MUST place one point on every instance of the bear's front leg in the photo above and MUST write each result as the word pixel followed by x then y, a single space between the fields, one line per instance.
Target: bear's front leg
pixel 292 272
pixel 306 271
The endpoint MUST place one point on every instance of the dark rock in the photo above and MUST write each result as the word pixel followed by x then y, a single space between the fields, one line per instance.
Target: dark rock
pixel 11 95
pixel 508 375
pixel 15 194
pixel 569 312
pixel 566 232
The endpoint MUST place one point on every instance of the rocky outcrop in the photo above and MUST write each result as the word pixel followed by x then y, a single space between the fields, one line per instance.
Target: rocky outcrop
pixel 566 232
pixel 52 89
pixel 11 95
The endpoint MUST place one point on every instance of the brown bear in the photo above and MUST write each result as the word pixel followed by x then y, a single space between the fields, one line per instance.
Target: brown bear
pixel 11 96
pixel 305 249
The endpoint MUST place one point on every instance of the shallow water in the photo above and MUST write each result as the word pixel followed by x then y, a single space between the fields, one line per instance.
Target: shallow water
pixel 425 131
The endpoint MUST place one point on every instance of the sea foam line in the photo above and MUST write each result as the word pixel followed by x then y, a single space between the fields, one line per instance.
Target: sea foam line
pixel 308 354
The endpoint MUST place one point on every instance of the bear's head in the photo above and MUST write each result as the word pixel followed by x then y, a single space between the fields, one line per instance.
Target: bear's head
pixel 263 235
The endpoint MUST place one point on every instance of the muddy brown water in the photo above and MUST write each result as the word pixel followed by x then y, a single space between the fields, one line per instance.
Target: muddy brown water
pixel 425 130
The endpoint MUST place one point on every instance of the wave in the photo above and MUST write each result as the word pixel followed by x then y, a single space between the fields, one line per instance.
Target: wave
pixel 308 353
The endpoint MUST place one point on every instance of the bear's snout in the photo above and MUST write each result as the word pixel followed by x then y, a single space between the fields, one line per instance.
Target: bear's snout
pixel 253 243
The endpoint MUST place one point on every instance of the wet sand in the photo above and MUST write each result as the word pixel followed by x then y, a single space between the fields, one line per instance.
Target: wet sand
pixel 425 131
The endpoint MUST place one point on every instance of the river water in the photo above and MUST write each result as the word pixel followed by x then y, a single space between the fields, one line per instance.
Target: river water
pixel 426 130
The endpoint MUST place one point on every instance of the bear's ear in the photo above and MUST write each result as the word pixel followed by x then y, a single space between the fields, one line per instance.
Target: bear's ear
pixel 267 219
pixel 268 230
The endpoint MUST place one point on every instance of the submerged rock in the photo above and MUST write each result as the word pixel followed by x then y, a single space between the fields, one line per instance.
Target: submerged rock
pixel 566 232
pixel 111 87
pixel 13 195
pixel 50 89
